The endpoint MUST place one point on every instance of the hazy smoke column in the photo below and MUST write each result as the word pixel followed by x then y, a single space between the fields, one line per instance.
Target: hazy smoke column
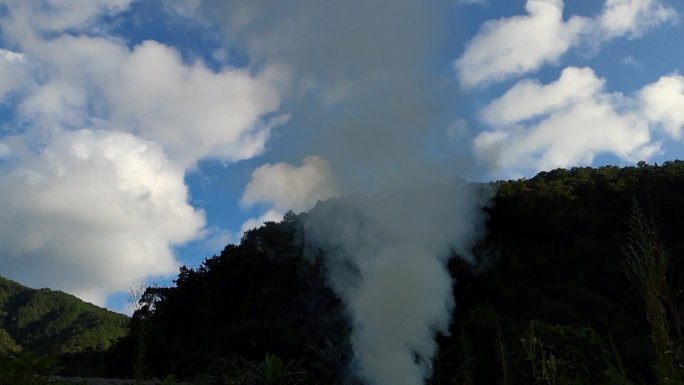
pixel 364 71
pixel 386 257
pixel 366 93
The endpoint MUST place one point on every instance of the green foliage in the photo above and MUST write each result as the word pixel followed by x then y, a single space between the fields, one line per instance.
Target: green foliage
pixel 7 343
pixel 53 323
pixel 547 303
pixel 564 355
pixel 613 376
pixel 647 264
pixel 260 297
pixel 554 255
pixel 550 274
pixel 24 369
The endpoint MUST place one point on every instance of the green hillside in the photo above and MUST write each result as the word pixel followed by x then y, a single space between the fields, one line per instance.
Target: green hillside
pixel 552 270
pixel 47 322
pixel 548 302
pixel 550 298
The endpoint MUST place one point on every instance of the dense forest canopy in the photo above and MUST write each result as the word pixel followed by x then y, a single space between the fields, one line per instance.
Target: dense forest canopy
pixel 52 322
pixel 550 270
pixel 74 334
pixel 550 296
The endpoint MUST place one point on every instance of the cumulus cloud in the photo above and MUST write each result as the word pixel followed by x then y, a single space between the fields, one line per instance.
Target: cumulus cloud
pixel 662 103
pixel 282 187
pixel 521 44
pixel 192 111
pixel 204 114
pixel 633 18
pixel 564 123
pixel 288 187
pixel 93 212
pixel 529 99
pixel 93 172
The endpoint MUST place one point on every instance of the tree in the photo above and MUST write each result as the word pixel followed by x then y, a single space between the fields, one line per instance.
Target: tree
pixel 646 264
pixel 136 298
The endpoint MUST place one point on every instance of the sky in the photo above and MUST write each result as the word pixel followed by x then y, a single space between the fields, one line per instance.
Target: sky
pixel 137 136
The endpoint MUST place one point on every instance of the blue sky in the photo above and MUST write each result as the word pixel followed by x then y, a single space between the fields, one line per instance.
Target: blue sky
pixel 139 135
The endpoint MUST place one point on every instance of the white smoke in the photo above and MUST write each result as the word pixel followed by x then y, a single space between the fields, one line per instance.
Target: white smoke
pixel 386 256
pixel 365 69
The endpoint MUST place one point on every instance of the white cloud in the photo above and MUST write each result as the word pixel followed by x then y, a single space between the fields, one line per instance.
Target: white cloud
pixel 564 123
pixel 518 45
pixel 633 18
pixel 204 114
pixel 29 17
pixel 192 111
pixel 630 61
pixel 529 99
pixel 268 216
pixel 12 72
pixel 287 187
pixel 93 192
pixel 663 102
pixel 11 56
pixel 284 187
pixel 93 212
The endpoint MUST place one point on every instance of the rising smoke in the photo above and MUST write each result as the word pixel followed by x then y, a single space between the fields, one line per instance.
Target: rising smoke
pixel 367 67
pixel 386 257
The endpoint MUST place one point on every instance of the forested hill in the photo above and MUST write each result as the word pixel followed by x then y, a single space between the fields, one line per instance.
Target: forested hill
pixel 556 254
pixel 43 321
pixel 549 300
pixel 579 279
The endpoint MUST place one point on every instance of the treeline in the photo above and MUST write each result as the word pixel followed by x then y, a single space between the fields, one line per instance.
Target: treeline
pixel 261 297
pixel 75 335
pixel 45 321
pixel 553 297
pixel 556 304
pixel 549 300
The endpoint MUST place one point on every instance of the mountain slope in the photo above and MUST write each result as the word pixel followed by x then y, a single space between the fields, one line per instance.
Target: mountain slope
pixel 44 321
pixel 549 282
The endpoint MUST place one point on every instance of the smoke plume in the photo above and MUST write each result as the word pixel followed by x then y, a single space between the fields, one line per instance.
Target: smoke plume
pixel 386 257
pixel 367 69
